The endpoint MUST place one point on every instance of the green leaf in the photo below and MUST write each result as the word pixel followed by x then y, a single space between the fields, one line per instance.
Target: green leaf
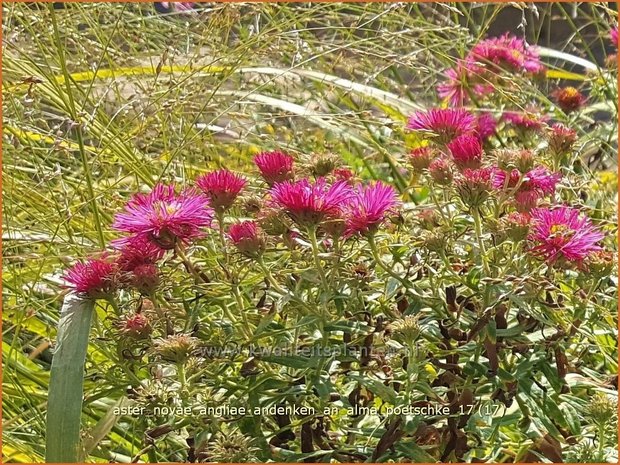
pixel 67 381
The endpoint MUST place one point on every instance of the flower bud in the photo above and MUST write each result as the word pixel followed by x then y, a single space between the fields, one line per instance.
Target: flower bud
pixel 516 226
pixel 428 218
pixel 406 329
pixel 601 408
pixel 248 238
pixel 136 326
pixel 421 158
pixel 599 263
pixel 440 171
pixel 273 221
pixel 175 348
pixel 145 278
pixel 474 186
pixel 560 139
pixel 323 164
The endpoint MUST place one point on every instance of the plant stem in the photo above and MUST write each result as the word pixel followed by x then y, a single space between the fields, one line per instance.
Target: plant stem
pixel 601 442
pixel 483 252
pixel 315 256
pixel 188 264
pixel 244 318
pixel 272 281
pixel 220 224
pixel 382 264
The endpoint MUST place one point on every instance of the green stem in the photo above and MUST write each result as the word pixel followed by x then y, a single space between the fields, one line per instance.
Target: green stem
pixel 220 223
pixel 244 318
pixel 315 256
pixel 483 252
pixel 188 264
pixel 181 374
pixel 272 281
pixel 601 442
pixel 383 265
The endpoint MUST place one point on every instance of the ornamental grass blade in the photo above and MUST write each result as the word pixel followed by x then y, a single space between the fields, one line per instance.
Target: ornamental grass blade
pixel 67 379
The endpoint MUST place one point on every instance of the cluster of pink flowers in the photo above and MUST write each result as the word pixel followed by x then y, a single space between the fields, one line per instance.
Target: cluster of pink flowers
pixel 165 219
pixel 457 157
pixel 478 72
pixel 358 209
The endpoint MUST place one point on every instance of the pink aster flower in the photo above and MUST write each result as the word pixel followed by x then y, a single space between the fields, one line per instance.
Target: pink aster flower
pixel 562 233
pixel 509 52
pixel 485 125
pixel 222 187
pixel 274 166
pixel 369 207
pixel 165 217
pixel 95 278
pixel 454 88
pixel 175 7
pixel 309 204
pixel 613 34
pixel 446 123
pixel 466 151
pixel 136 251
pixel 542 179
pixel 460 82
pixel 530 187
pixel 247 238
pixel 506 180
pixel 526 119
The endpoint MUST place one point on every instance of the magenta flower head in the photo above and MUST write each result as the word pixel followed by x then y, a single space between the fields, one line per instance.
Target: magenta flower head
pixel 542 179
pixel 466 152
pixel 247 238
pixel 368 208
pixel 222 187
pixel 95 278
pixel 485 125
pixel 274 166
pixel 525 120
pixel 446 123
pixel 613 34
pixel 164 217
pixel 454 88
pixel 136 251
pixel 561 233
pixel 309 204
pixel 508 52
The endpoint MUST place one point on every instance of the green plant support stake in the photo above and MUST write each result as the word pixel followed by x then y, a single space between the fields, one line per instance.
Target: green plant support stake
pixel 64 406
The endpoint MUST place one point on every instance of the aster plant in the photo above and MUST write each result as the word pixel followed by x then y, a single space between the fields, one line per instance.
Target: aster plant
pixel 307 307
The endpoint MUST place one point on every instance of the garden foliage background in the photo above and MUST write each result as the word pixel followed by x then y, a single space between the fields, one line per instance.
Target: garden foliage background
pixel 103 100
